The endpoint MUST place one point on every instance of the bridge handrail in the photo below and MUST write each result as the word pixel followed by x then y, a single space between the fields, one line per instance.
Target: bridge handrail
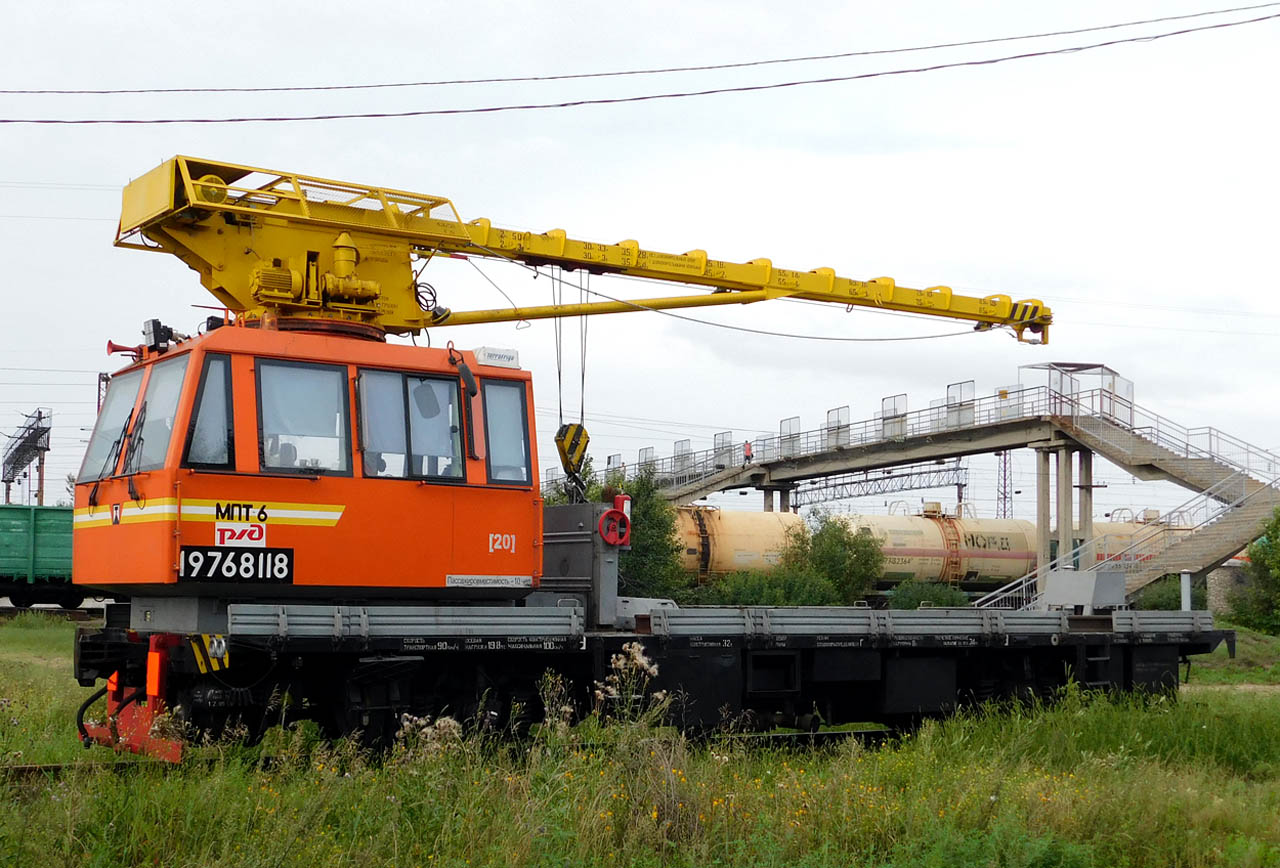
pixel 1030 402
pixel 1210 501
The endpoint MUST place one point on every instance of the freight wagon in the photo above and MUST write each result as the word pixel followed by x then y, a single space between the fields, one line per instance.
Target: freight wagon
pixel 974 553
pixel 35 556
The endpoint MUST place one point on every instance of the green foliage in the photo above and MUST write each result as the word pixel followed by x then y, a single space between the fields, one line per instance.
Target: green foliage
pixel 1257 604
pixel 827 546
pixel 778 587
pixel 652 567
pixel 1166 594
pixel 822 563
pixel 910 594
pixel 1257 660
pixel 1091 781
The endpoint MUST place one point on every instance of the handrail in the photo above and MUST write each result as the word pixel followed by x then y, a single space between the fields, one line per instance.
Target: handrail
pixel 1141 541
pixel 1031 402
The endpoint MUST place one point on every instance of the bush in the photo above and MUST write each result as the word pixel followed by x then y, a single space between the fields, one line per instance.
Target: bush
pixel 652 567
pixel 827 546
pixel 910 594
pixel 1257 604
pixel 1166 595
pixel 777 587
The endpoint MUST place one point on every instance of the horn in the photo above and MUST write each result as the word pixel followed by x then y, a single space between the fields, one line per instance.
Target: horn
pixel 113 348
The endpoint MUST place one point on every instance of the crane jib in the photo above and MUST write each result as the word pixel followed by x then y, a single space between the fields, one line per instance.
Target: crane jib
pixel 314 248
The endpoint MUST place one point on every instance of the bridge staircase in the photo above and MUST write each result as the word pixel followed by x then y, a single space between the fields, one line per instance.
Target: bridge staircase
pixel 1200 535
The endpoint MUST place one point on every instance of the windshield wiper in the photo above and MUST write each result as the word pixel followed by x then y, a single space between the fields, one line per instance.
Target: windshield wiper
pixel 133 449
pixel 110 461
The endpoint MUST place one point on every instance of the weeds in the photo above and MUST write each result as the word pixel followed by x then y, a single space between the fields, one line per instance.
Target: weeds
pixel 1090 781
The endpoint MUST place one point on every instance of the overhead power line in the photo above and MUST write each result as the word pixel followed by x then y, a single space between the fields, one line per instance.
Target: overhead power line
pixel 628 72
pixel 496 109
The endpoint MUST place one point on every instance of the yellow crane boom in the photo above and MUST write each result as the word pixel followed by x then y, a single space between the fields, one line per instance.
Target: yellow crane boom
pixel 312 247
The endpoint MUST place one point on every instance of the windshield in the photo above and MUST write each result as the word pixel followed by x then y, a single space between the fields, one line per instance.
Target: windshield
pixel 153 428
pixel 108 433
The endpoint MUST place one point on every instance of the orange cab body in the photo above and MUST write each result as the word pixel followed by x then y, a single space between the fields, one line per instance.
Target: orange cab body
pixel 261 520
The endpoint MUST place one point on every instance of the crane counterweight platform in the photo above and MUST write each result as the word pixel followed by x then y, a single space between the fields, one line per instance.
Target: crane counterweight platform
pixel 313 247
pixel 305 516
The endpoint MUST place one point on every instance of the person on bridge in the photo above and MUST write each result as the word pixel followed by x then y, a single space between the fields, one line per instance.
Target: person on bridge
pixel 746 452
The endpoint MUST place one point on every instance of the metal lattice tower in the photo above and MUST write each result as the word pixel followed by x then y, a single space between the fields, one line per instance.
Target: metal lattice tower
pixel 28 445
pixel 1004 485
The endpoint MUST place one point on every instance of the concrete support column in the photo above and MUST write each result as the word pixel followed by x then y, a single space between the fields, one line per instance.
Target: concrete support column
pixel 1065 524
pixel 784 499
pixel 768 499
pixel 1042 515
pixel 1088 555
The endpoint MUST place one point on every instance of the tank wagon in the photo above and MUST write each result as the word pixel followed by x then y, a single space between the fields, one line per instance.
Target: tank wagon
pixel 35 556
pixel 974 553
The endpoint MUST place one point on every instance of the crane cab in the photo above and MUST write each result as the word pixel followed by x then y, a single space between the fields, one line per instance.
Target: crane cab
pixel 257 463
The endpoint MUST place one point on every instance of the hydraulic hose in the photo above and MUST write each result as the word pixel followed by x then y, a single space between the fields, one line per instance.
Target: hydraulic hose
pixel 84 733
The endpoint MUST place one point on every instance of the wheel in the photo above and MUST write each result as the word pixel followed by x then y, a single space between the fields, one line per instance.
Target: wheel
pixel 71 599
pixel 20 597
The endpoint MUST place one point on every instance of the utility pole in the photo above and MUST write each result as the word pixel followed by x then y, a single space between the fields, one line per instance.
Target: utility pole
pixel 1004 485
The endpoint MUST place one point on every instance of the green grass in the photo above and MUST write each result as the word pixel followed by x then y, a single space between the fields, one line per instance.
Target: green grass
pixel 38 696
pixel 1087 782
pixel 1257 660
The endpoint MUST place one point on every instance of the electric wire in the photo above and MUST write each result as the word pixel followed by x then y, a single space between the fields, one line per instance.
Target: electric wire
pixel 536 271
pixel 629 72
pixel 652 97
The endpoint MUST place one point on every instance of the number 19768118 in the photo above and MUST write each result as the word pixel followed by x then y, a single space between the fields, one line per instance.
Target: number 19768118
pixel 230 564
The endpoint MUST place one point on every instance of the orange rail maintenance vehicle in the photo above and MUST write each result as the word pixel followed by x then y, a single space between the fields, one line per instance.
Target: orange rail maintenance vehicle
pixel 294 507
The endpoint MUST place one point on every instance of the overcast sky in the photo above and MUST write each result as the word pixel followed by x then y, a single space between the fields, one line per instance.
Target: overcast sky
pixel 1131 188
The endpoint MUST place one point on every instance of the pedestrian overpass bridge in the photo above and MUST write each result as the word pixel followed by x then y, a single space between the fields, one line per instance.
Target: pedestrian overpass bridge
pixel 1236 485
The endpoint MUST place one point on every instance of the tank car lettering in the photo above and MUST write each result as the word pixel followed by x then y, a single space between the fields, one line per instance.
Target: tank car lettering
pixel 990 542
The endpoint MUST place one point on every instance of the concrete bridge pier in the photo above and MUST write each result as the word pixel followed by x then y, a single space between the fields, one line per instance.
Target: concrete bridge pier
pixel 1042 515
pixel 1061 495
pixel 1065 535
pixel 784 498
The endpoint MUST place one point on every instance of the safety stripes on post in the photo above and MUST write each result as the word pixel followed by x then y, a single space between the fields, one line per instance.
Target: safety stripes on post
pixel 211 652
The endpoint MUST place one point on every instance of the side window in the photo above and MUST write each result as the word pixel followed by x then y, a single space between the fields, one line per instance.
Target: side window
pixel 210 441
pixel 506 431
pixel 435 432
pixel 409 426
pixel 153 428
pixel 113 422
pixel 302 413
pixel 382 426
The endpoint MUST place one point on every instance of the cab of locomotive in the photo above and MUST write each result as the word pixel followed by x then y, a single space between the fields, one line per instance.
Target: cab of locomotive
pixel 252 463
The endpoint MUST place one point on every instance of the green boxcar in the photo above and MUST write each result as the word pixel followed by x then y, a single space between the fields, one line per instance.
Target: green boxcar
pixel 35 555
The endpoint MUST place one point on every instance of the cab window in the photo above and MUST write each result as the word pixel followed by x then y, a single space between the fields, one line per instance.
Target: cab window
pixel 410 426
pixel 506 431
pixel 113 423
pixel 210 441
pixel 153 427
pixel 302 412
